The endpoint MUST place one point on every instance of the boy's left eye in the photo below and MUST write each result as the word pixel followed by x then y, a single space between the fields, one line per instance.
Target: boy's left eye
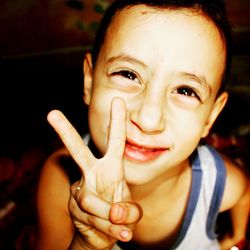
pixel 186 91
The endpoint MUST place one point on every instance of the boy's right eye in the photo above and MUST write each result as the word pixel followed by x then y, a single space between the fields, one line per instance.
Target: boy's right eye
pixel 126 74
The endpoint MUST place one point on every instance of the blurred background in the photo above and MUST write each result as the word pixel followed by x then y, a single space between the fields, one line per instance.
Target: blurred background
pixel 42 44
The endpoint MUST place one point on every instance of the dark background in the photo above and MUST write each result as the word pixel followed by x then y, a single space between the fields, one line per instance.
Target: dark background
pixel 42 44
pixel 30 88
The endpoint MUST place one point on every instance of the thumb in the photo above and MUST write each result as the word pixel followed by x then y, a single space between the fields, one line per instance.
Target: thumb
pixel 125 213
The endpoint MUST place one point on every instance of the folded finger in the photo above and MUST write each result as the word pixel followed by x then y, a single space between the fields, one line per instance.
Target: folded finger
pixel 81 218
pixel 90 202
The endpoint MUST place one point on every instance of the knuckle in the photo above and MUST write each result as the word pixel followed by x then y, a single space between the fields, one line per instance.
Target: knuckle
pixel 72 210
pixel 91 220
pixel 85 203
pixel 111 230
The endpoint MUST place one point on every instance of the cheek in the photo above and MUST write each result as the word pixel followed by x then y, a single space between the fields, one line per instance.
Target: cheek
pixel 190 133
pixel 187 137
pixel 188 125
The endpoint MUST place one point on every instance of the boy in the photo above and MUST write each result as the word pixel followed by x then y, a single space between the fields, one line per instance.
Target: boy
pixel 154 87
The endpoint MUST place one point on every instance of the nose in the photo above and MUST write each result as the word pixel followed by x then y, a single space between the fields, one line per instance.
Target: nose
pixel 149 115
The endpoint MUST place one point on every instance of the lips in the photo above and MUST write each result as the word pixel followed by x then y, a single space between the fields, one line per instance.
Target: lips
pixel 141 153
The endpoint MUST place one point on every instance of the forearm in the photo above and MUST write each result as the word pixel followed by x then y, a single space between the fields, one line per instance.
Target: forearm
pixel 240 216
pixel 239 219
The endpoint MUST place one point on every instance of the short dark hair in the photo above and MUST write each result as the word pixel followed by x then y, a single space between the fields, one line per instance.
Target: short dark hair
pixel 214 10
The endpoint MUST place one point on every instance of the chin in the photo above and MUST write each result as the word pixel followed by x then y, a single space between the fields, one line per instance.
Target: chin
pixel 137 175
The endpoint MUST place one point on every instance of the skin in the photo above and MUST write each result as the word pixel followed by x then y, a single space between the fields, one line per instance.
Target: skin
pixel 156 113
pixel 151 97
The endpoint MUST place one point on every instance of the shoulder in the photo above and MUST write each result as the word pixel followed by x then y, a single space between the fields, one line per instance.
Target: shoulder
pixel 60 166
pixel 236 182
pixel 236 186
pixel 52 201
pixel 54 182
pixel 52 172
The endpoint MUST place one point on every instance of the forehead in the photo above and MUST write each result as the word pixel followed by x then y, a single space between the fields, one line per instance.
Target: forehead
pixel 178 39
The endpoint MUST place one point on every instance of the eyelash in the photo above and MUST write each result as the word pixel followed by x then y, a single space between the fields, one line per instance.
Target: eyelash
pixel 184 90
pixel 187 91
pixel 127 74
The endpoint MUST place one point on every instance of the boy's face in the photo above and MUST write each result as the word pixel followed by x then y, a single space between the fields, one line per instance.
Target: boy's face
pixel 167 67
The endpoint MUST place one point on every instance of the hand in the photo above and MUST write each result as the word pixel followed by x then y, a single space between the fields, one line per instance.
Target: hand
pixel 101 224
pixel 103 182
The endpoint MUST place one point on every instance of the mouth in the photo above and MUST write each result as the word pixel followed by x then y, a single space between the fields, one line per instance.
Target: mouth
pixel 142 153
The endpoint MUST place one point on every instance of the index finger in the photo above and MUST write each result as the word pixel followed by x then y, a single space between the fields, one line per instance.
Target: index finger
pixel 71 139
pixel 117 132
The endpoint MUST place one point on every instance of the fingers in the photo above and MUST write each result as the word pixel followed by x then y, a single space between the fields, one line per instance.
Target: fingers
pixel 99 214
pixel 117 133
pixel 118 213
pixel 125 213
pixel 86 222
pixel 71 139
pixel 90 202
pixel 118 192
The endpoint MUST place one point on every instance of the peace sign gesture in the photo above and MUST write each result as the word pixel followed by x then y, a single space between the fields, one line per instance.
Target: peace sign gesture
pixel 102 184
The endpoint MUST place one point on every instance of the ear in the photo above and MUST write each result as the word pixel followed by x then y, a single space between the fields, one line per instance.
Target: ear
pixel 88 78
pixel 219 104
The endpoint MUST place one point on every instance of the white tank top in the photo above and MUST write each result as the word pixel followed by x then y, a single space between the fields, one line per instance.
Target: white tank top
pixel 208 180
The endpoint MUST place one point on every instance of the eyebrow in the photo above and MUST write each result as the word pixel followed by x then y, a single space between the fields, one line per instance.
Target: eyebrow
pixel 198 78
pixel 125 58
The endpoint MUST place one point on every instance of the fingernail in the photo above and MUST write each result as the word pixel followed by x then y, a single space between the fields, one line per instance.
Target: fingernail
pixel 124 234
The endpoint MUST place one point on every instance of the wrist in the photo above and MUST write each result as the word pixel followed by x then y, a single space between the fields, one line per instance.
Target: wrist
pixel 78 243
